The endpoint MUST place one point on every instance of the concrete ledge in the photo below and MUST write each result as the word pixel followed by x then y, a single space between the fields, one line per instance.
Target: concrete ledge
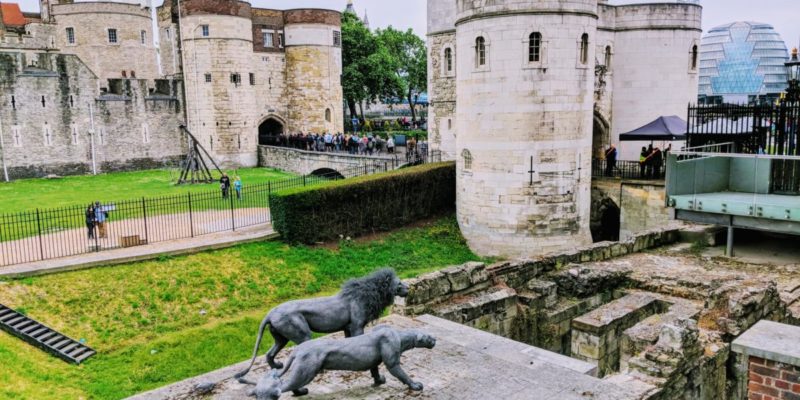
pixel 141 253
pixel 772 341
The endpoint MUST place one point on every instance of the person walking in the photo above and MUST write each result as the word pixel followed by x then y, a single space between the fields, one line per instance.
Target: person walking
pixel 225 185
pixel 237 185
pixel 100 217
pixel 611 160
pixel 390 144
pixel 90 220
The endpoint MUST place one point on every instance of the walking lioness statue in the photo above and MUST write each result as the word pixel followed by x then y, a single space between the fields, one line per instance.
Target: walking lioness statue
pixel 383 345
pixel 360 302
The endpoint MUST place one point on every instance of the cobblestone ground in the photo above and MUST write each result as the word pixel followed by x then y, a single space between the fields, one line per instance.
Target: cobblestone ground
pixel 129 232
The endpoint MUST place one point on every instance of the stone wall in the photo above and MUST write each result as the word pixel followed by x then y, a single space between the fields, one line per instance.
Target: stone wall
pixel 641 207
pixel 442 95
pixel 303 162
pixel 46 121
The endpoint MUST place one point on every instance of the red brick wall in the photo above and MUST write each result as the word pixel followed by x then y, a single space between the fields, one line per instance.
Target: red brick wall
pixel 770 380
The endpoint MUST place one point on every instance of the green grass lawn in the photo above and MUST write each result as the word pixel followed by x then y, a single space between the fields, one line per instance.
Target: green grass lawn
pixel 145 318
pixel 30 194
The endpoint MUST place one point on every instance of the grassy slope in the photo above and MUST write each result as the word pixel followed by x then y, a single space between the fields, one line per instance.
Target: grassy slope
pixel 29 194
pixel 145 318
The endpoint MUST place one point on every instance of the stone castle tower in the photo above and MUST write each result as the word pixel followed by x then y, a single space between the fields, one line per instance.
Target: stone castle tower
pixel 525 92
pixel 107 83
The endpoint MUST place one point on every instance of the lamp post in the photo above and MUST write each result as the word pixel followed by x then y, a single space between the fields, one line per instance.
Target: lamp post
pixel 793 69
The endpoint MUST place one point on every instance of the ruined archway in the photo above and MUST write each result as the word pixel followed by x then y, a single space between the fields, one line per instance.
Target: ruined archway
pixel 600 135
pixel 269 131
pixel 605 220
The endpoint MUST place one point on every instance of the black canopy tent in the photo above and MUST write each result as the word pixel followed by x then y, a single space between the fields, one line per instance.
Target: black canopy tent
pixel 663 128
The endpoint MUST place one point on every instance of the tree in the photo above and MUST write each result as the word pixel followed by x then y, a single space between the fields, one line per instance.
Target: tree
pixel 367 66
pixel 410 64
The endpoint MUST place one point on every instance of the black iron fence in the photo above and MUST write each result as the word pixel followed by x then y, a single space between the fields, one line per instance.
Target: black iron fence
pixel 753 129
pixel 45 234
pixel 628 170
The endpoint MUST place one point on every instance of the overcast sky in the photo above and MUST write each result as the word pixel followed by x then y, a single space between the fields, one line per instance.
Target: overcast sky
pixel 784 15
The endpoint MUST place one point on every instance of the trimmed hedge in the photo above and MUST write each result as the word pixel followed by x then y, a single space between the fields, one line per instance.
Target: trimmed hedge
pixel 366 204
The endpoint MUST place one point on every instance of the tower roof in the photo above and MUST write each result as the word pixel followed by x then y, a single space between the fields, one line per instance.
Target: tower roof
pixel 350 8
pixel 12 15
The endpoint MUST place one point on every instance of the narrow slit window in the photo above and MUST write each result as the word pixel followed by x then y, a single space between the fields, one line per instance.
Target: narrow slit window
pixel 694 57
pixel 480 51
pixel 608 57
pixel 71 35
pixel 448 59
pixel 205 30
pixel 584 48
pixel 535 47
pixel 112 35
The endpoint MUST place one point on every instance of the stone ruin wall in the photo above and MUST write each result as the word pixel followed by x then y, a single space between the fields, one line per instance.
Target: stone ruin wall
pixel 671 338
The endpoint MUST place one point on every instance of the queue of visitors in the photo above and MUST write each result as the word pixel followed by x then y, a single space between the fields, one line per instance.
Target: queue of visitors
pixel 347 143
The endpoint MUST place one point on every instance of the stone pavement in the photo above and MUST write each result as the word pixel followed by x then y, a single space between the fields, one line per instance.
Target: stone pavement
pixel 466 364
pixel 139 253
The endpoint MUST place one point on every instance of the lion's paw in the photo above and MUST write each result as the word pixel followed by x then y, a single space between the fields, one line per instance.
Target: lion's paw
pixel 380 380
pixel 416 386
pixel 300 392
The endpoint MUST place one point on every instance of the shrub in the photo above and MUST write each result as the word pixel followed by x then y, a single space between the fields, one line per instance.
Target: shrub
pixel 353 207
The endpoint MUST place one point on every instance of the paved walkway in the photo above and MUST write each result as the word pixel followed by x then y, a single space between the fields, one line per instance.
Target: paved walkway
pixel 144 252
pixel 126 233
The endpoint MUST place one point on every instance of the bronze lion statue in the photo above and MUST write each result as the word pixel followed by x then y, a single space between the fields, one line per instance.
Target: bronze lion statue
pixel 383 345
pixel 360 302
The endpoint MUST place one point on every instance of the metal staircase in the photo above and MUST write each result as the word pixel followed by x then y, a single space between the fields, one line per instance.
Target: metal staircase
pixel 43 337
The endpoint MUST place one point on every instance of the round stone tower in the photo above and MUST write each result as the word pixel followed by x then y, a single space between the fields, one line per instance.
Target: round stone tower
pixel 525 88
pixel 217 47
pixel 313 70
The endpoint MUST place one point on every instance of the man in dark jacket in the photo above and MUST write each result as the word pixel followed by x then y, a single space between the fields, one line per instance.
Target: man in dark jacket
pixel 225 185
pixel 611 160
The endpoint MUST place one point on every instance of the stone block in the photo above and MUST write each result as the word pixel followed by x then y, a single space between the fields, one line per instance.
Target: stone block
pixel 466 276
pixel 547 289
pixel 427 288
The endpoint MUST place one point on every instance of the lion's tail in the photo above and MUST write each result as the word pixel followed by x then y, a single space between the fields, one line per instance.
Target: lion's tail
pixel 286 366
pixel 261 329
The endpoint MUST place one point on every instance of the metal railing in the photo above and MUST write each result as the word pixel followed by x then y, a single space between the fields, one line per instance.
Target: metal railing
pixel 628 170
pixel 45 234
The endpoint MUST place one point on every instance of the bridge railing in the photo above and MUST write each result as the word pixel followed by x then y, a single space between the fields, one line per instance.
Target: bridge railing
pixel 51 233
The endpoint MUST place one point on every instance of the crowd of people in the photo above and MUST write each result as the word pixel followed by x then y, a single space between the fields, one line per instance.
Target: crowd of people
pixel 651 159
pixel 349 143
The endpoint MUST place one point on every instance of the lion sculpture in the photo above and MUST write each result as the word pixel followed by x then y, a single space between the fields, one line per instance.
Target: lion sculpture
pixel 383 345
pixel 360 302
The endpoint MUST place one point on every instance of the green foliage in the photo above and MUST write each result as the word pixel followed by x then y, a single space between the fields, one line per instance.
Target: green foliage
pixel 409 63
pixel 363 205
pixel 367 72
pixel 145 318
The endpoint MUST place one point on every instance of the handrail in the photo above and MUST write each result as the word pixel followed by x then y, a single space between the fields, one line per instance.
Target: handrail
pixel 717 145
pixel 736 155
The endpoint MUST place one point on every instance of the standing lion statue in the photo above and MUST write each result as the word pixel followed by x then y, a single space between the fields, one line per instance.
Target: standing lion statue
pixel 360 302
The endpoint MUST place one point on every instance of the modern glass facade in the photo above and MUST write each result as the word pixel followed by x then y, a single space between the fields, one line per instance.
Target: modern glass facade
pixel 742 62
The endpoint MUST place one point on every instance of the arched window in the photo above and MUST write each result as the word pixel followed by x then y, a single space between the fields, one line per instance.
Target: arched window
pixel 480 51
pixel 608 57
pixel 467 159
pixel 328 114
pixel 584 48
pixel 694 57
pixel 448 60
pixel 535 47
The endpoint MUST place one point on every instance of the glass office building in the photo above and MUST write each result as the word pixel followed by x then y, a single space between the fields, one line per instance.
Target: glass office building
pixel 742 63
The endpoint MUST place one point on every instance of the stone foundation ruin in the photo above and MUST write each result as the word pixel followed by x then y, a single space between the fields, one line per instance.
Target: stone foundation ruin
pixel 660 324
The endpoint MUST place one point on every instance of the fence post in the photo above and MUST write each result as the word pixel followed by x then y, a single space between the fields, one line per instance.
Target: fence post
pixel 39 229
pixel 233 218
pixel 304 180
pixel 191 221
pixel 365 169
pixel 144 214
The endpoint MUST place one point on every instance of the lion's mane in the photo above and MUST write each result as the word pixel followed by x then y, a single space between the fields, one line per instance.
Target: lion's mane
pixel 374 292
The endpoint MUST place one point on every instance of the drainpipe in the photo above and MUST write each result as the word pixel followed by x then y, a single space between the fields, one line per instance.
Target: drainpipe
pixel 91 137
pixel 2 153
